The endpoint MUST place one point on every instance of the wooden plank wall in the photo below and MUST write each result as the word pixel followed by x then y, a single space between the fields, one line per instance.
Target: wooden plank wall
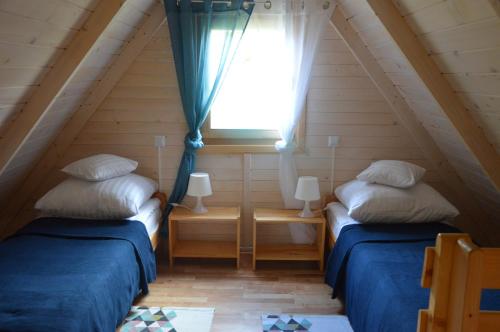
pixel 28 59
pixel 342 101
pixel 462 37
pixel 32 37
pixel 465 44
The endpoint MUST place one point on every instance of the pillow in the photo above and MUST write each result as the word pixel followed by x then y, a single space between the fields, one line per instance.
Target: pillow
pixel 375 203
pixel 395 173
pixel 100 167
pixel 117 198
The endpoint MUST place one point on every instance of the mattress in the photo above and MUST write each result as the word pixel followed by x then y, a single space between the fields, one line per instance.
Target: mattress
pixel 338 218
pixel 150 215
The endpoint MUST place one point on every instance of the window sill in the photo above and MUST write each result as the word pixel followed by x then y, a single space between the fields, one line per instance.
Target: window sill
pixel 241 149
pixel 236 149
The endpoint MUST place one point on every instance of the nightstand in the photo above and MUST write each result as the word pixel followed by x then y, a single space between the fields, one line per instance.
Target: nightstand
pixel 200 248
pixel 288 252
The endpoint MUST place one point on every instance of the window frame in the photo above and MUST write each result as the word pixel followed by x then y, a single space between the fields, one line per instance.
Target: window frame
pixel 239 141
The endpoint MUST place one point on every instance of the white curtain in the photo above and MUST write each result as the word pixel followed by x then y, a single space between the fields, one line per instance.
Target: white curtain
pixel 304 21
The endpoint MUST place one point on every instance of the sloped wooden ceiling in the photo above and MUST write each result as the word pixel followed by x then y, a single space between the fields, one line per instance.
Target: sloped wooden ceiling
pixel 342 101
pixel 34 37
pixel 145 102
pixel 462 37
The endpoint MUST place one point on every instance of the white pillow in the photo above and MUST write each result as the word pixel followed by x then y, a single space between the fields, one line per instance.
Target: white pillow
pixel 375 203
pixel 393 173
pixel 117 198
pixel 100 167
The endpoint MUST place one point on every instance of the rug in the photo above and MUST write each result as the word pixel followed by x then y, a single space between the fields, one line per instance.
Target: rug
pixel 305 323
pixel 145 319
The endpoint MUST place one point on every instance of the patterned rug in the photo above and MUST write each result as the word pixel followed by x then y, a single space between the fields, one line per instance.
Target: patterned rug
pixel 145 319
pixel 305 323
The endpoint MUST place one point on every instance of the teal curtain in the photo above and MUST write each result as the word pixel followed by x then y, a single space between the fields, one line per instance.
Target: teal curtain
pixel 204 37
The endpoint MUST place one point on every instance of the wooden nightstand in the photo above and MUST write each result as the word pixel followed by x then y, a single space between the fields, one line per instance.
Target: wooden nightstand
pixel 204 249
pixel 288 252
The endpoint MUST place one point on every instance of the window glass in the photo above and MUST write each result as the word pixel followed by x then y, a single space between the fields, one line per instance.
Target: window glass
pixel 256 88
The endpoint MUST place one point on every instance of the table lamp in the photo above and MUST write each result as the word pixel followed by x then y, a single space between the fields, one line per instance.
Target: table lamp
pixel 307 191
pixel 199 186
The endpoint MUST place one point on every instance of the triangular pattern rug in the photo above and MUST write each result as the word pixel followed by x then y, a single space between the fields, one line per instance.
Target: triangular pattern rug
pixel 305 323
pixel 166 319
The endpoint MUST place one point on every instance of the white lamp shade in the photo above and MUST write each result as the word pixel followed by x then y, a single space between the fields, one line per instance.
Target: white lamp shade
pixel 307 189
pixel 199 185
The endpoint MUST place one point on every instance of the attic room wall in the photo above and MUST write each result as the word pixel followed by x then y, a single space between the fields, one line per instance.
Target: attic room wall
pixel 95 64
pixel 465 44
pixel 462 37
pixel 342 101
pixel 32 38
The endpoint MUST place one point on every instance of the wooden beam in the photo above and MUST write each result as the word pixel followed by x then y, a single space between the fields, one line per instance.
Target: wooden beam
pixel 439 87
pixel 55 80
pixel 71 130
pixel 495 5
pixel 407 119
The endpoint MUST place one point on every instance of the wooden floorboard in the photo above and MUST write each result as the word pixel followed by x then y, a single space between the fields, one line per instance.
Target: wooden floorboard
pixel 241 296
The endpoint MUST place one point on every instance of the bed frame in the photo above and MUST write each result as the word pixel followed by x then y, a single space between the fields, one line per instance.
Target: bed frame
pixel 155 237
pixel 330 237
pixel 456 271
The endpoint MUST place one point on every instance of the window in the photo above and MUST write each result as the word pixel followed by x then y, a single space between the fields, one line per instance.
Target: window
pixel 256 88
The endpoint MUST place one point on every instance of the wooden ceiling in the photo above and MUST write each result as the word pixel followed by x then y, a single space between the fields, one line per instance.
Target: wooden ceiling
pixel 438 60
pixel 427 50
pixel 54 55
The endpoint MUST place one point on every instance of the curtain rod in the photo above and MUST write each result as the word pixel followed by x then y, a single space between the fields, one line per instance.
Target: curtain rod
pixel 267 3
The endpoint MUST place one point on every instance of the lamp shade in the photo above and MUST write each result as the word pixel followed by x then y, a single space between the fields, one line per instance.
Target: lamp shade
pixel 307 189
pixel 199 185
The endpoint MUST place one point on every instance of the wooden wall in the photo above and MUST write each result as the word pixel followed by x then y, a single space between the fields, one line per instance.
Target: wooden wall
pixel 463 38
pixel 32 38
pixel 460 35
pixel 33 35
pixel 342 101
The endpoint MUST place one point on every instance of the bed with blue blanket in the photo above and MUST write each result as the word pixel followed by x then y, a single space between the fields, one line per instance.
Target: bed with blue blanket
pixel 376 268
pixel 73 275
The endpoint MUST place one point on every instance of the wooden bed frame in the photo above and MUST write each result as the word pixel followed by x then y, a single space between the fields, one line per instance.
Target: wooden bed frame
pixel 456 271
pixel 155 237
pixel 330 237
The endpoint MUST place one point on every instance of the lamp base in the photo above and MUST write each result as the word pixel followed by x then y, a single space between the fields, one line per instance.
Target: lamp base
pixel 199 208
pixel 306 212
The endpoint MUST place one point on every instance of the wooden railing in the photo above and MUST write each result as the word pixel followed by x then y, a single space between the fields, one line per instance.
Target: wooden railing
pixel 456 271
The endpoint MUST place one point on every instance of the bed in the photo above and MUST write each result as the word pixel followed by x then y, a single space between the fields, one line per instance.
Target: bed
pixel 150 215
pixel 337 218
pixel 62 274
pixel 376 270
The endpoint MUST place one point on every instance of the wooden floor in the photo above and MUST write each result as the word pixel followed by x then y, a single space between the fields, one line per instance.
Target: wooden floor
pixel 241 296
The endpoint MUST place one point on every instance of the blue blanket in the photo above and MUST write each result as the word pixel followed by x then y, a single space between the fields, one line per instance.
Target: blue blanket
pixel 376 269
pixel 73 275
